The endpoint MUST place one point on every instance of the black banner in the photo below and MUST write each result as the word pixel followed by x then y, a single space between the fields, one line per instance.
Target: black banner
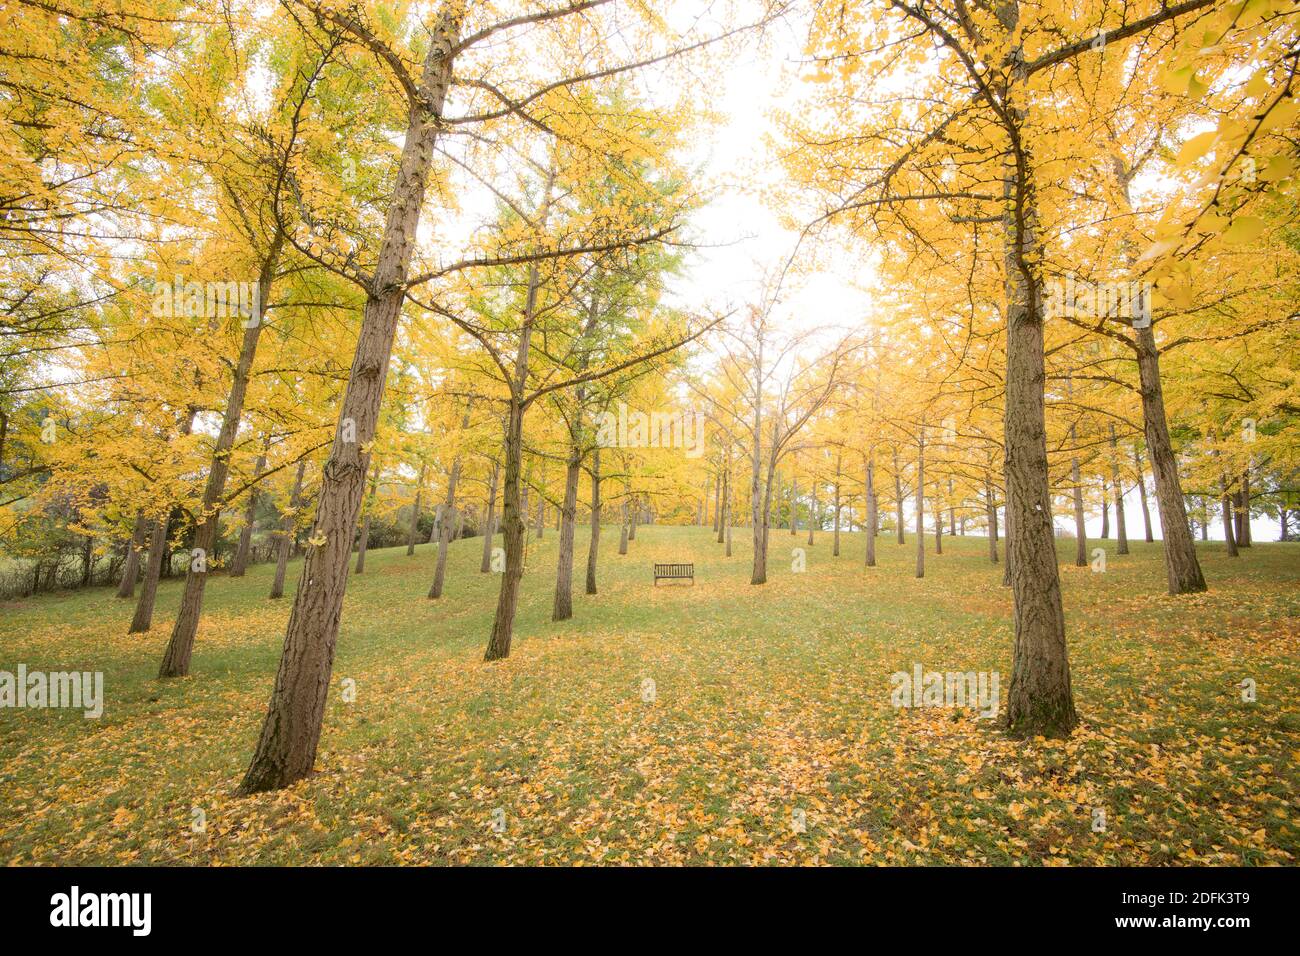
pixel 945 906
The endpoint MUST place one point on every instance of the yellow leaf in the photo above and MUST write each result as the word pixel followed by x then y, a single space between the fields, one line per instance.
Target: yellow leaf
pixel 1244 229
pixel 1195 148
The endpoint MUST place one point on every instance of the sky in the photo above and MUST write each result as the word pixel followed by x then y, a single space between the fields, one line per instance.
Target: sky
pixel 746 242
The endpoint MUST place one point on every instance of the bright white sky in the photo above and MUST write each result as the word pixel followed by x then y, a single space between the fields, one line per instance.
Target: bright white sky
pixel 747 242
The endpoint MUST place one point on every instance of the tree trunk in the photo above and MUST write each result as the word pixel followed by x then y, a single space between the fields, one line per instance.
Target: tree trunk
pixel 835 550
pixel 727 525
pixel 1040 700
pixel 131 564
pixel 724 502
pixel 1184 571
pixel 513 527
pixel 1080 529
pixel 363 540
pixel 287 525
pixel 415 512
pixel 445 528
pixel 1010 556
pixel 898 498
pixel 143 618
pixel 1142 493
pixel 176 658
pixel 286 749
pixel 1229 520
pixel 920 503
pixel 1117 489
pixel 952 514
pixel 991 511
pixel 159 555
pixel 1243 516
pixel 87 559
pixel 812 514
pixel 242 553
pixel 794 506
pixel 871 509
pixel 594 546
pixel 562 608
pixel 717 507
pixel 758 506
pixel 622 530
pixel 938 525
pixel 490 522
pixel 1105 511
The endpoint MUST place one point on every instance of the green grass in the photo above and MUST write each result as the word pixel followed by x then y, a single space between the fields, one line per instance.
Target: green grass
pixel 768 699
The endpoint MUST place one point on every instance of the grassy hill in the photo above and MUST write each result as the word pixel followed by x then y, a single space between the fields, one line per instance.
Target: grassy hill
pixel 767 700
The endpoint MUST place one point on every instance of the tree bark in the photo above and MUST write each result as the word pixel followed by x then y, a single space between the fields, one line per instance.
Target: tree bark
pixel 812 513
pixel 159 554
pixel 415 512
pixel 952 513
pixel 176 658
pixel 286 749
pixel 490 522
pixel 1183 570
pixel 1243 515
pixel 794 506
pixel 594 546
pixel 363 540
pixel 727 525
pixel 131 564
pixel 1142 492
pixel 449 515
pixel 541 512
pixel 622 530
pixel 242 553
pixel 1229 532
pixel 562 608
pixel 1105 511
pixel 285 545
pixel 1080 529
pixel 835 550
pixel 1040 700
pixel 1117 489
pixel 717 507
pixel 991 510
pixel 898 498
pixel 938 525
pixel 143 618
pixel 920 503
pixel 515 523
pixel 872 517
pixel 724 499
pixel 513 528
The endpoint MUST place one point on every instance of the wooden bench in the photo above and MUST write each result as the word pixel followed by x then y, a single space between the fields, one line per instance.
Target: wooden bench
pixel 675 572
